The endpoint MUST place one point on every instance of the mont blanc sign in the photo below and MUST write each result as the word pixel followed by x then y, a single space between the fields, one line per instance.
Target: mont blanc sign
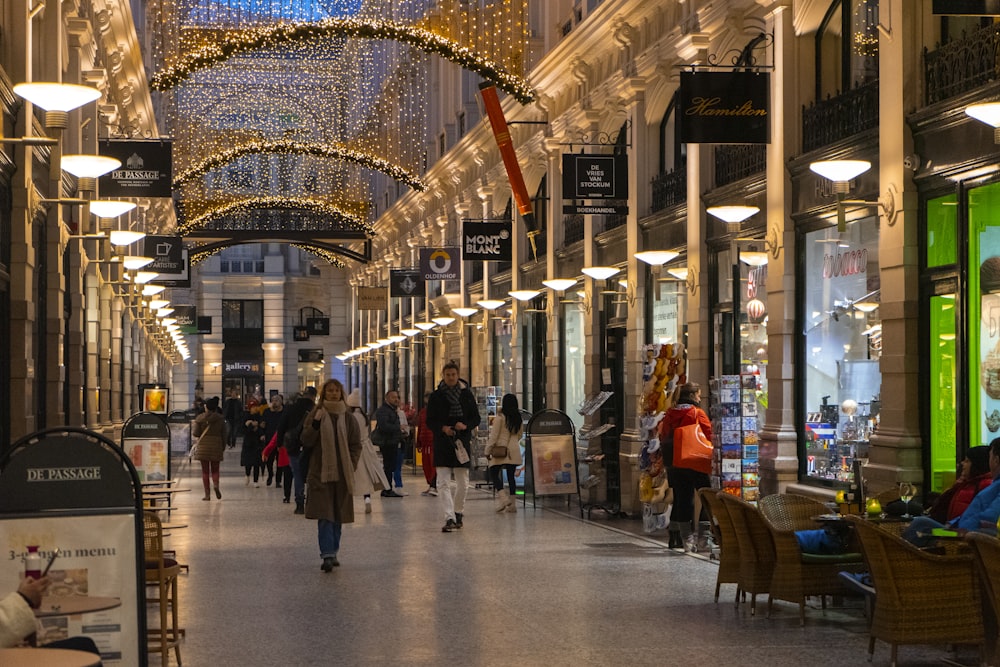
pixel 725 108
pixel 487 241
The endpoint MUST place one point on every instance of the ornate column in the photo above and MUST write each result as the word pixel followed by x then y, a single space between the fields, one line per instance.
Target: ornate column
pixel 553 310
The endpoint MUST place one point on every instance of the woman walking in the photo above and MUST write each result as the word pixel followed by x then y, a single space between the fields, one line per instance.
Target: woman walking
pixel 253 444
pixel 209 427
pixel 368 474
pixel 684 481
pixel 504 452
pixel 425 440
pixel 332 441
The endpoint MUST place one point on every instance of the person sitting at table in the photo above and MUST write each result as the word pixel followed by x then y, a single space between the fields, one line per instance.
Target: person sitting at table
pixel 980 516
pixel 975 477
pixel 17 620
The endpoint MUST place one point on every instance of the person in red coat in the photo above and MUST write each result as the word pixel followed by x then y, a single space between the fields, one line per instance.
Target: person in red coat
pixel 284 465
pixel 425 441
pixel 684 481
pixel 975 477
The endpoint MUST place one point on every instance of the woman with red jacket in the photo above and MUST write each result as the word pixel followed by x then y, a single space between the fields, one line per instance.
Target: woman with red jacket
pixel 284 465
pixel 684 481
pixel 425 441
pixel 975 477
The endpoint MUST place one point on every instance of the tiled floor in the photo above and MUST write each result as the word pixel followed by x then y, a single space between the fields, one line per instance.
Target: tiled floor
pixel 540 587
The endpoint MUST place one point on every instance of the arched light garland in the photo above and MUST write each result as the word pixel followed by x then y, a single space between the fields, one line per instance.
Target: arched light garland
pixel 286 146
pixel 331 257
pixel 245 206
pixel 198 255
pixel 268 37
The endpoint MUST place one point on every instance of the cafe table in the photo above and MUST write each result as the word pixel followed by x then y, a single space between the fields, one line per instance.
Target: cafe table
pixel 47 657
pixel 71 605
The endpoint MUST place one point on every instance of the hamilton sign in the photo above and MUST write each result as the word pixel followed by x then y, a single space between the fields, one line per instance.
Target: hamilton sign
pixel 145 170
pixel 725 108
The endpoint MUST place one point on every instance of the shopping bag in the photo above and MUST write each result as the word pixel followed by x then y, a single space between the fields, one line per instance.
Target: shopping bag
pixel 692 449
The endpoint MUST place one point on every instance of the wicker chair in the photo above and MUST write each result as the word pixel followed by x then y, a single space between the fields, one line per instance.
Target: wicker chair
pixel 987 553
pixel 755 546
pixel 798 575
pixel 161 573
pixel 725 536
pixel 920 597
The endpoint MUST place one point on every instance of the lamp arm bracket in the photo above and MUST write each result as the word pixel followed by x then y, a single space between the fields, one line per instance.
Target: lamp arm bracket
pixel 887 204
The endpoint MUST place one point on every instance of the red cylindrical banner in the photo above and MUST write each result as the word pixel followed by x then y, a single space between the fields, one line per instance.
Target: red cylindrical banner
pixel 506 146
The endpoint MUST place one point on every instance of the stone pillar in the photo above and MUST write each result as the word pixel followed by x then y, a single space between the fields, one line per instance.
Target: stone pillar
pixel 92 281
pixel 553 309
pixel 896 449
pixel 699 315
pixel 779 439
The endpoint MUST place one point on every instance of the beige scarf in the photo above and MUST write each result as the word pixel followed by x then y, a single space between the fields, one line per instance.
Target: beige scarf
pixel 335 446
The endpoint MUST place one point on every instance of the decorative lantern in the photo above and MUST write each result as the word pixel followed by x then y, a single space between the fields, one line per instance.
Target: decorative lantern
pixel 756 310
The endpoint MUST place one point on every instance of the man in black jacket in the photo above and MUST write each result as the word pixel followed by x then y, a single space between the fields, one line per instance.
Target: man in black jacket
pixel 452 414
pixel 387 435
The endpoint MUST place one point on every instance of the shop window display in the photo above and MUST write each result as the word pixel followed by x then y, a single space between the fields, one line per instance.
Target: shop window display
pixel 984 308
pixel 574 370
pixel 843 342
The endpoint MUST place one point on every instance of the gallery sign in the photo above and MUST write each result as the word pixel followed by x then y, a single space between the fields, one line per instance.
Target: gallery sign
pixel 145 170
pixel 725 108
pixel 487 241
pixel 441 263
pixel 595 176
pixel 406 282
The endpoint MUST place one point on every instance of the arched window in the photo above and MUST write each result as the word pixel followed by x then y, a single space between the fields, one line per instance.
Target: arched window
pixel 846 47
pixel 673 154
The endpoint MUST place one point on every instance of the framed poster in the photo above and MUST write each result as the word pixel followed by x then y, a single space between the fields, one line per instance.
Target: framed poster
pixel 553 464
pixel 154 399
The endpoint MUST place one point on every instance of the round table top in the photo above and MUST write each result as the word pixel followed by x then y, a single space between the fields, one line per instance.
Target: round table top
pixel 47 657
pixel 70 605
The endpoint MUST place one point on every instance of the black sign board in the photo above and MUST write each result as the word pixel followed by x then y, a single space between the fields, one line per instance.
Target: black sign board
pixel 204 324
pixel 183 279
pixel 145 170
pixel 595 176
pixel 145 425
pixel 310 355
pixel 318 326
pixel 167 254
pixel 187 318
pixel 487 241
pixel 300 333
pixel 595 209
pixel 725 108
pixel 441 263
pixel 966 7
pixel 406 282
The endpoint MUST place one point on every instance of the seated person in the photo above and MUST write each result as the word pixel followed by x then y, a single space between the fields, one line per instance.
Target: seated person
pixel 980 515
pixel 17 621
pixel 975 477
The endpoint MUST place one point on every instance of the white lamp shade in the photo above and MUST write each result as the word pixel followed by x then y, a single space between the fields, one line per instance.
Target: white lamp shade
pixel 169 322
pixel 143 277
pixel 753 257
pixel 524 294
pixel 490 304
pixel 56 96
pixel 840 171
pixel 397 338
pixel 373 345
pixel 559 284
pixel 680 272
pixel 163 312
pixel 600 272
pixel 111 208
pixel 133 262
pixel 152 290
pixel 156 304
pixel 444 320
pixel 125 237
pixel 656 257
pixel 732 214
pixel 410 332
pixel 463 311
pixel 988 112
pixel 866 306
pixel 89 166
pixel 424 326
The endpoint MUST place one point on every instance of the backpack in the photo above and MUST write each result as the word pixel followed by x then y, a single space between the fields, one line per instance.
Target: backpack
pixel 293 440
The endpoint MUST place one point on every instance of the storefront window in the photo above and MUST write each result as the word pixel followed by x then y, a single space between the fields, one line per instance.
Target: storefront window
pixel 503 364
pixel 574 370
pixel 943 384
pixel 942 229
pixel 984 307
pixel 669 314
pixel 843 339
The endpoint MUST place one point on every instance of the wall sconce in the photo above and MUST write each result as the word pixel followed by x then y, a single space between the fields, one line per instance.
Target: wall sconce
pixel 443 320
pixel 424 326
pixel 600 272
pixel 57 99
pixel 524 294
pixel 686 275
pixel 272 365
pixel 733 215
pixel 123 237
pixel 215 367
pixel 112 208
pixel 989 113
pixel 409 332
pixel 463 311
pixel 656 259
pixel 490 304
pixel 841 172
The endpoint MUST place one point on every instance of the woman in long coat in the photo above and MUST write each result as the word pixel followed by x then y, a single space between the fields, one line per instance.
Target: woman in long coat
pixel 332 442
pixel 209 428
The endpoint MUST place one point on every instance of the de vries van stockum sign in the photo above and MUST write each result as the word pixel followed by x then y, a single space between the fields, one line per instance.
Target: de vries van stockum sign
pixel 145 170
pixel 595 176
pixel 725 108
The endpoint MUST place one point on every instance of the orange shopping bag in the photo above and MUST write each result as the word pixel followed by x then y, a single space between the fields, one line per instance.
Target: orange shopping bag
pixel 692 449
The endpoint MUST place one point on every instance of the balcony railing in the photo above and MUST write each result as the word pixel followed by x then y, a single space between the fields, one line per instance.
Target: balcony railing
pixel 669 189
pixel 572 229
pixel 736 162
pixel 962 65
pixel 836 118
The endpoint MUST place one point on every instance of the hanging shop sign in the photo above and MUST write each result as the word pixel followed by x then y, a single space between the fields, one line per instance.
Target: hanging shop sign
pixel 182 279
pixel 243 368
pixel 966 7
pixel 406 283
pixel 204 325
pixel 167 253
pixel 373 298
pixel 597 209
pixel 145 170
pixel 318 326
pixel 300 334
pixel 187 318
pixel 441 263
pixel 487 241
pixel 595 176
pixel 725 108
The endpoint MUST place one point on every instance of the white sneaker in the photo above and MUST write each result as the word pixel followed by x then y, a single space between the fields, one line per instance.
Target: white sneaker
pixel 433 492
pixel 399 491
pixel 256 485
pixel 368 505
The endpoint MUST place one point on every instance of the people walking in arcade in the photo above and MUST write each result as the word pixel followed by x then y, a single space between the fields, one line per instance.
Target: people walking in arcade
pixel 504 452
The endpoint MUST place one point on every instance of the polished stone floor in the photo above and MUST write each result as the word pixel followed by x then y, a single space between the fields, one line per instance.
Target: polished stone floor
pixel 540 587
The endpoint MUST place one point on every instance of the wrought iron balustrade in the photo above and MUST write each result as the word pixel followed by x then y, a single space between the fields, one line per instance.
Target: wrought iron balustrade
pixel 738 161
pixel 962 65
pixel 839 117
pixel 669 189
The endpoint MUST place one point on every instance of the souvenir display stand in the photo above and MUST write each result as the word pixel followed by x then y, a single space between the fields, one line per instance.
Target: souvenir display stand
pixel 600 459
pixel 735 428
pixel 179 423
pixel 75 491
pixel 488 400
pixel 146 442
pixel 550 457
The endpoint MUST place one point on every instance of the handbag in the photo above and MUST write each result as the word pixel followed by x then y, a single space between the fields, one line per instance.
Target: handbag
pixel 460 453
pixel 499 451
pixel 692 449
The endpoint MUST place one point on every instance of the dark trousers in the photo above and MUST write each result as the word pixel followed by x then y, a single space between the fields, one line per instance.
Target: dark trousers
pixel 285 475
pixel 495 476
pixel 269 465
pixel 298 478
pixel 256 471
pixel 389 454
pixel 684 482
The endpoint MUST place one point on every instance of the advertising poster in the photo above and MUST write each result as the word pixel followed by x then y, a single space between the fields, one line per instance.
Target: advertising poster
pixel 553 464
pixel 154 399
pixel 149 456
pixel 95 570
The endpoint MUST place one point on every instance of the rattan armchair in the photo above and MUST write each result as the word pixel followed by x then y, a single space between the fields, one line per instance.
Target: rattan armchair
pixel 755 546
pixel 161 574
pixel 799 575
pixel 920 597
pixel 725 536
pixel 987 554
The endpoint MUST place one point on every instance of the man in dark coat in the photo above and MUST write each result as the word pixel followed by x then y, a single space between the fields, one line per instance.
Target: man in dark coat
pixel 452 414
pixel 387 435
